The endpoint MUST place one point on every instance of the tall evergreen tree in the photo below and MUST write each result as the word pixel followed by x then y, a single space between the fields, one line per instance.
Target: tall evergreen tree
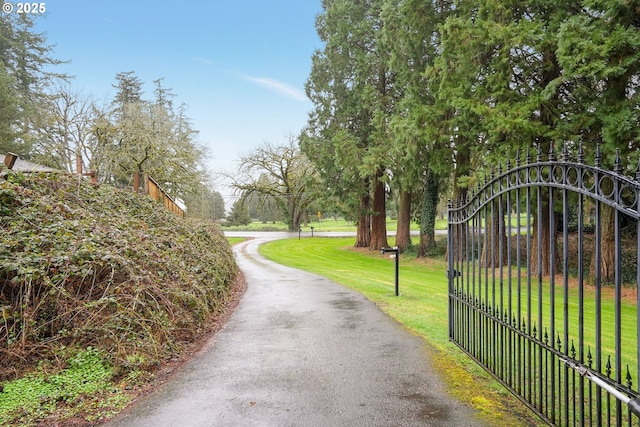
pixel 9 114
pixel 239 214
pixel 352 90
pixel 599 51
pixel 128 88
pixel 500 78
pixel 410 34
pixel 26 60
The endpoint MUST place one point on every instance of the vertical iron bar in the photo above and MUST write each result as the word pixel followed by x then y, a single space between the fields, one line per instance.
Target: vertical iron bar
pixel 598 303
pixel 580 184
pixel 598 282
pixel 581 297
pixel 459 277
pixel 494 343
pixel 503 329
pixel 565 269
pixel 450 262
pixel 478 296
pixel 472 292
pixel 519 362
pixel 468 279
pixel 461 285
pixel 540 328
pixel 552 292
pixel 529 296
pixel 638 284
pixel 589 364
pixel 486 305
pixel 618 301
pixel 511 344
pixel 545 395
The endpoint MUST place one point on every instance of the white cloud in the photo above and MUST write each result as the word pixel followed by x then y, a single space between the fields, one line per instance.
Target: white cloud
pixel 278 87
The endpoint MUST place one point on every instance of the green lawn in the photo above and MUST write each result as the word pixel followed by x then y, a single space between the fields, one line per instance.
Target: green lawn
pixel 421 307
pixel 235 240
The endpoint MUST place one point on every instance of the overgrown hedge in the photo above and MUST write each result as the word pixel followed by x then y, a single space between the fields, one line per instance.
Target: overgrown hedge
pixel 88 265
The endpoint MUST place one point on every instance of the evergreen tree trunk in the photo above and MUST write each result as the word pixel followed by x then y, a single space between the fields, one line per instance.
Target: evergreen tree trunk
pixel 428 215
pixel 607 245
pixel 491 255
pixel 542 241
pixel 403 233
pixel 363 230
pixel 548 108
pixel 379 216
pixel 615 105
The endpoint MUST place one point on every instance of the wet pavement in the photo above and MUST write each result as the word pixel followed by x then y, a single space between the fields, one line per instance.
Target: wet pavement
pixel 302 351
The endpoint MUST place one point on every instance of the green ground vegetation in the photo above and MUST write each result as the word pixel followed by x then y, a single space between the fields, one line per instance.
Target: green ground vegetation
pixel 422 308
pixel 235 240
pixel 85 389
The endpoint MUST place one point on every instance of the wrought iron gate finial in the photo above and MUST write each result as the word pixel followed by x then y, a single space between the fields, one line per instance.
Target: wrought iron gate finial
pixel 580 154
pixel 617 165
pixel 539 147
pixel 565 152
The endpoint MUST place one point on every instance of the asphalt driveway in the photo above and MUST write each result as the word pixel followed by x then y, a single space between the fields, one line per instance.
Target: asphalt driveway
pixel 303 351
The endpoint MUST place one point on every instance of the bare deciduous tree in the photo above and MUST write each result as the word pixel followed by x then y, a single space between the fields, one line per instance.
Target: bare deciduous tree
pixel 280 173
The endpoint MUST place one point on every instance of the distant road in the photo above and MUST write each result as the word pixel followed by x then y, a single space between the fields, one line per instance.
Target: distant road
pixel 275 235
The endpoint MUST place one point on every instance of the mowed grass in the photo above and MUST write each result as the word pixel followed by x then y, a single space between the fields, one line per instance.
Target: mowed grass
pixel 422 307
pixel 235 240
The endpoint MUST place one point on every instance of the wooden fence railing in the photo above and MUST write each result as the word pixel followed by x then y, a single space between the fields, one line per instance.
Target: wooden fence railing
pixel 144 181
pixel 154 190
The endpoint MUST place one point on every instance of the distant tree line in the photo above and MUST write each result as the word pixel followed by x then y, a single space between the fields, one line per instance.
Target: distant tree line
pixel 43 119
pixel 418 98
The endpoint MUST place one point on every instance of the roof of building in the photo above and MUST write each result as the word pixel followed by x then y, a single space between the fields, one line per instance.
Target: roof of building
pixel 26 166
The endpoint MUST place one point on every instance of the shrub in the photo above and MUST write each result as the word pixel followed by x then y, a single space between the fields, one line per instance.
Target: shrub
pixel 85 265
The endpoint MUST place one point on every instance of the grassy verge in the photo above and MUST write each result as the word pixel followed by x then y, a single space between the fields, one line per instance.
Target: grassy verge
pixel 421 307
pixel 235 240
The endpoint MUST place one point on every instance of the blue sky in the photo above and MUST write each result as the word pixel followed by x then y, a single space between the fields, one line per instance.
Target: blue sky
pixel 239 65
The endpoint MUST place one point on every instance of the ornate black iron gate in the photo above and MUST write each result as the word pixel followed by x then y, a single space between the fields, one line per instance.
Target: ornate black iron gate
pixel 533 296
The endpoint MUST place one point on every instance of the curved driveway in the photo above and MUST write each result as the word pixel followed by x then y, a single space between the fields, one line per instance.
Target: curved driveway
pixel 302 351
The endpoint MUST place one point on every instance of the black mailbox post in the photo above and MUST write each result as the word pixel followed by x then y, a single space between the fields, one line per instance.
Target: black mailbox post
pixel 395 251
